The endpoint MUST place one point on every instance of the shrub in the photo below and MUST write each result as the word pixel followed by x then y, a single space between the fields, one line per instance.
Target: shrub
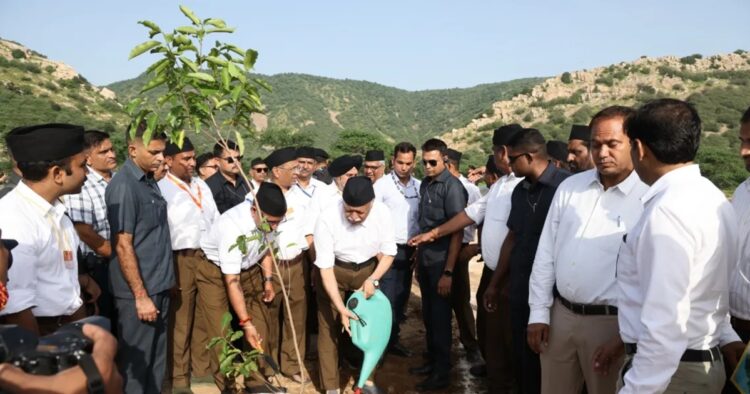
pixel 678 87
pixel 18 54
pixel 50 69
pixel 566 78
pixel 740 52
pixel 605 80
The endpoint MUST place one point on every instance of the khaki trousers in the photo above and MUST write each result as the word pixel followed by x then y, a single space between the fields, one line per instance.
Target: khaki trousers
pixel 199 360
pixel 182 315
pixel 690 377
pixel 262 318
pixel 329 326
pixel 461 296
pixel 567 361
pixel 280 339
pixel 494 336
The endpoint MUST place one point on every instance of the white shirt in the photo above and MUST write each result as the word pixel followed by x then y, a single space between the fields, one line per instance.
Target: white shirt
pixel 473 193
pixel 493 209
pixel 191 210
pixel 309 191
pixel 579 243
pixel 327 196
pixel 672 277
pixel 336 238
pixel 291 234
pixel 739 276
pixel 40 278
pixel 236 221
pixel 403 202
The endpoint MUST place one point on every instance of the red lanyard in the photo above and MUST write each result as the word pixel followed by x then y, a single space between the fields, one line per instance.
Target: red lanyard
pixel 179 183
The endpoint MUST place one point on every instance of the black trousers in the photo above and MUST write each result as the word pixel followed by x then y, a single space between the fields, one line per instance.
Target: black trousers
pixel 99 271
pixel 437 314
pixel 526 369
pixel 142 347
pixel 396 286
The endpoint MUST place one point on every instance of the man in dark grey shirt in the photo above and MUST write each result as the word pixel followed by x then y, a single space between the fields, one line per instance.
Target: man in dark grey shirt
pixel 442 197
pixel 141 269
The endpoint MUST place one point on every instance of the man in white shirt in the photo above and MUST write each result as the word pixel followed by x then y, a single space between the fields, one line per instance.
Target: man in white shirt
pixel 739 283
pixel 242 270
pixel 493 327
pixel 572 290
pixel 307 165
pixel 399 191
pixel 190 213
pixel 355 246
pixel 43 282
pixel 673 266
pixel 341 169
pixel 374 165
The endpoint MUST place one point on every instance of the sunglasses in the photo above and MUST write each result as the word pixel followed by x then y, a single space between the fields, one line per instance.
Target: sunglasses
pixel 430 163
pixel 511 159
pixel 262 169
pixel 231 160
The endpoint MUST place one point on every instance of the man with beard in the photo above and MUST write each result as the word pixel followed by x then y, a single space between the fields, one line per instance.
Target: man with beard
pixel 579 157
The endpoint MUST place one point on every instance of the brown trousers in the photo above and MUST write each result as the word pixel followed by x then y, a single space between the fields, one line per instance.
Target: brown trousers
pixel 493 334
pixel 280 340
pixel 262 318
pixel 329 326
pixel 461 298
pixel 48 325
pixel 199 360
pixel 567 361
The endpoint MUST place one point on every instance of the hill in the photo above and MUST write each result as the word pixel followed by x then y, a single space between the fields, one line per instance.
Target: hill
pixel 718 85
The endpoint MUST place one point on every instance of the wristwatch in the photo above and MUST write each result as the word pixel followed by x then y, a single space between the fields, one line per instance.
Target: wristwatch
pixel 375 282
pixel 448 273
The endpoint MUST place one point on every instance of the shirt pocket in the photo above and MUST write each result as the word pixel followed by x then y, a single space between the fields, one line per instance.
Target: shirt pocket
pixel 154 212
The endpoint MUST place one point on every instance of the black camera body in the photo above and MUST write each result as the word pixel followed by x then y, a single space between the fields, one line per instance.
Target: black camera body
pixel 50 354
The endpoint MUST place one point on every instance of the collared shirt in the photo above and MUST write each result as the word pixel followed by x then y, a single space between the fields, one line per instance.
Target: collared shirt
pixel 403 203
pixel 493 209
pixel 529 206
pixel 579 242
pixel 441 198
pixel 291 234
pixel 254 184
pixel 327 196
pixel 10 183
pixel 473 194
pixel 672 275
pixel 226 195
pixel 739 276
pixel 190 210
pixel 223 236
pixel 309 191
pixel 89 206
pixel 40 278
pixel 337 239
pixel 135 206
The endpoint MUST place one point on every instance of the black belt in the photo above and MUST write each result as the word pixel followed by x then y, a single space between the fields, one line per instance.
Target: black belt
pixel 587 309
pixel 690 355
pixel 355 266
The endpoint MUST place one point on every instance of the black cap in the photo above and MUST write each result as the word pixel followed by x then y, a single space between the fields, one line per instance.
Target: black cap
pixel 358 191
pixel 374 155
pixel 47 142
pixel 172 148
pixel 491 167
pixel 280 156
pixel 341 165
pixel 557 150
pixel 256 161
pixel 580 132
pixel 453 154
pixel 504 134
pixel 271 199
pixel 321 155
pixel 306 152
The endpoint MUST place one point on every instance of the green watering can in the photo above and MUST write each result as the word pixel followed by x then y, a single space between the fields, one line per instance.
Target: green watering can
pixel 372 331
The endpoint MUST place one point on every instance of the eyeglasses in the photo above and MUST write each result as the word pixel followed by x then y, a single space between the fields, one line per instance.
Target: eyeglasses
pixel 259 170
pixel 231 159
pixel 511 159
pixel 431 163
pixel 293 169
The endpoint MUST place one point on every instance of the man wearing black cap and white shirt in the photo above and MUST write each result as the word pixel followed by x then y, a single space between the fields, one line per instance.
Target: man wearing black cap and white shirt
pixel 355 245
pixel 190 213
pixel 492 210
pixel 142 268
pixel 307 165
pixel 341 169
pixel 258 172
pixel 292 243
pixel 243 274
pixel 579 142
pixel 43 282
pixel 399 191
pixel 374 166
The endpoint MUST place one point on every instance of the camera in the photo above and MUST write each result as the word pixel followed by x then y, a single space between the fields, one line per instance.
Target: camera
pixel 50 354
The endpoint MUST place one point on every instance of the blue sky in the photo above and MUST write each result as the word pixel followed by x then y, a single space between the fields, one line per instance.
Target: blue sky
pixel 412 45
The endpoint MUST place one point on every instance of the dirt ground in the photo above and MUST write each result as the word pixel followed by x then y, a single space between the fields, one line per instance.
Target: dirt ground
pixel 393 376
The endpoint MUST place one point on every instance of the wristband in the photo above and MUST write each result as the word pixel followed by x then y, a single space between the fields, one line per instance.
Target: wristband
pixel 245 321
pixel 267 279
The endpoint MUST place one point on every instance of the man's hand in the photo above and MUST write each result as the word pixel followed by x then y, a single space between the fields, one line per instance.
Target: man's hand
pixel 252 337
pixel 345 316
pixel 423 238
pixel 89 286
pixel 537 335
pixel 605 354
pixel 368 288
pixel 268 292
pixel 444 286
pixel 103 353
pixel 732 353
pixel 146 309
pixel 491 299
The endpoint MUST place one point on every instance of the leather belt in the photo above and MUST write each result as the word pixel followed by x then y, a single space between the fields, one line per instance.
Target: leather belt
pixel 588 309
pixel 741 324
pixel 291 262
pixel 189 252
pixel 690 355
pixel 355 266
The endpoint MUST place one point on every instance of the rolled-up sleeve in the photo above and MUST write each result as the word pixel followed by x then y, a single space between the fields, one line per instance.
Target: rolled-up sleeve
pixel 230 261
pixel 387 234
pixel 323 239
pixel 455 199
pixel 476 210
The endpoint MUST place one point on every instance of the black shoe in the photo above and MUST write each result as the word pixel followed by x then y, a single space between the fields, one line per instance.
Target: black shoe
pixel 479 371
pixel 435 381
pixel 397 349
pixel 474 357
pixel 265 389
pixel 423 370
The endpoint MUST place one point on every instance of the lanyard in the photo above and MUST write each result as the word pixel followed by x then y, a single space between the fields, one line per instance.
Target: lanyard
pixel 179 183
pixel 401 188
pixel 63 242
